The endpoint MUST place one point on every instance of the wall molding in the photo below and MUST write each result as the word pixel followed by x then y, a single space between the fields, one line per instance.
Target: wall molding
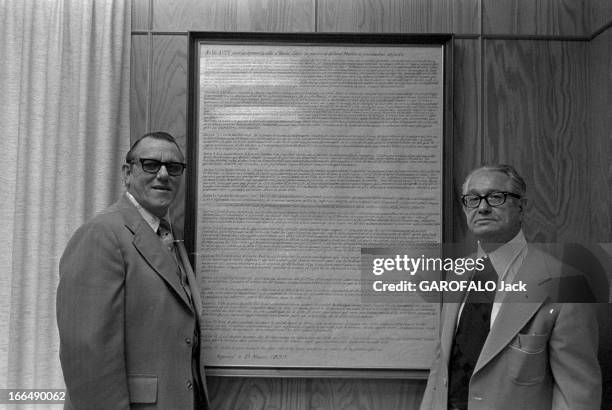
pixel 463 36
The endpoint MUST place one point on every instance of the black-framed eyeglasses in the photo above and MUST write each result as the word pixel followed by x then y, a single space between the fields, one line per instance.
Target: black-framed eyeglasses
pixel 152 166
pixel 493 199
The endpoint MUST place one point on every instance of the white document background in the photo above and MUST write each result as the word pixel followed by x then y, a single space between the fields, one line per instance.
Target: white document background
pixel 306 154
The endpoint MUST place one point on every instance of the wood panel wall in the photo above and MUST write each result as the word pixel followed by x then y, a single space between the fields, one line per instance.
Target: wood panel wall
pixel 599 144
pixel 540 17
pixel 532 87
pixel 536 117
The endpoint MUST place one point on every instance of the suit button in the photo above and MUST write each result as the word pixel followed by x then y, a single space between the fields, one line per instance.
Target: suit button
pixel 189 385
pixel 188 340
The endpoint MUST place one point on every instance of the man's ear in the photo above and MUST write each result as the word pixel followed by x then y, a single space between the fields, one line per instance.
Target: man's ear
pixel 523 204
pixel 126 171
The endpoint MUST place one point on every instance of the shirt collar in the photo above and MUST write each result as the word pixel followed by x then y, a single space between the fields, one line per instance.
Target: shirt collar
pixel 502 257
pixel 152 220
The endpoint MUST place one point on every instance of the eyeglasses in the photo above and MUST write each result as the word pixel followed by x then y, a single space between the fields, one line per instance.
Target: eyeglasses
pixel 152 166
pixel 493 199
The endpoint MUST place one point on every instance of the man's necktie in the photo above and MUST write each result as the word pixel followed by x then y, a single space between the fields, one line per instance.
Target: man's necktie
pixel 165 233
pixel 471 334
pixel 167 238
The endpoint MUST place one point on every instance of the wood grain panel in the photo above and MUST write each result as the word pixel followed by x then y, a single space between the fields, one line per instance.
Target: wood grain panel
pixel 234 15
pixel 531 17
pixel 535 118
pixel 467 145
pixel 393 16
pixel 600 142
pixel 338 394
pixel 601 13
pixel 140 14
pixel 229 393
pixel 139 85
pixel 169 102
pixel 169 85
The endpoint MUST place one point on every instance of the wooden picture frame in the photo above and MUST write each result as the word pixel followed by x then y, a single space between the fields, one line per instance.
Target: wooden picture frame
pixel 286 133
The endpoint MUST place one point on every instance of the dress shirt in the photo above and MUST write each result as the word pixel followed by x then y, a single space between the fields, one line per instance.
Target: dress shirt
pixel 152 220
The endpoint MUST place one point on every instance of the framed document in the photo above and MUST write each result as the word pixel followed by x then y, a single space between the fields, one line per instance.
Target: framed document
pixel 304 149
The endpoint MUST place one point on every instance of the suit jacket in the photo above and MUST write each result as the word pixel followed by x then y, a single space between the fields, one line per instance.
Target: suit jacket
pixel 126 325
pixel 540 353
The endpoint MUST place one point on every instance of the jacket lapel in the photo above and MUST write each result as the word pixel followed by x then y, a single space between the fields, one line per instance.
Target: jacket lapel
pixel 193 282
pixel 195 295
pixel 517 310
pixel 152 249
pixel 450 312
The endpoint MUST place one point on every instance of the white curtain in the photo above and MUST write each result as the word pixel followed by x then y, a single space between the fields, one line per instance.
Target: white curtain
pixel 64 123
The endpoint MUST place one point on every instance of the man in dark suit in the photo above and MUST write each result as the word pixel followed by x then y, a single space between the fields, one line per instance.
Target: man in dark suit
pixel 532 350
pixel 128 302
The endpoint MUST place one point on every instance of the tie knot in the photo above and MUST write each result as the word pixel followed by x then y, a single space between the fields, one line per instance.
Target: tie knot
pixel 164 226
pixel 488 273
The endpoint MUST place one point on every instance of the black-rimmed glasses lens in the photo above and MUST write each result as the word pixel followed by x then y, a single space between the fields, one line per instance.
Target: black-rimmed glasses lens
pixel 493 199
pixel 152 166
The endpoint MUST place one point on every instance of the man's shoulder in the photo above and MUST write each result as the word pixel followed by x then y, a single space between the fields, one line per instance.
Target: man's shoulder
pixel 569 283
pixel 550 259
pixel 537 255
pixel 114 212
pixel 114 217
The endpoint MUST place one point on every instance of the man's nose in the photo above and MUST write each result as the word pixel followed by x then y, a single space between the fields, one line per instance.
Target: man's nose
pixel 163 173
pixel 483 206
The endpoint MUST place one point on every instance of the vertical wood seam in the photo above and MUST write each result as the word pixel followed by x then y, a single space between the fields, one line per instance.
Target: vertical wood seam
pixel 589 18
pixel 149 69
pixel 150 16
pixel 481 96
pixel 316 16
pixel 589 128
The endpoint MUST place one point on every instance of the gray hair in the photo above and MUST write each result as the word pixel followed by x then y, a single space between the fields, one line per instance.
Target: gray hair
pixel 518 182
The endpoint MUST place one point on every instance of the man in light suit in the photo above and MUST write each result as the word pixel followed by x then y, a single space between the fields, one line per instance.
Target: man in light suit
pixel 128 302
pixel 530 352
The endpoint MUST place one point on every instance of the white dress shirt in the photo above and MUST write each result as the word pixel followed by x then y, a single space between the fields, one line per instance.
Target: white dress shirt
pixel 152 220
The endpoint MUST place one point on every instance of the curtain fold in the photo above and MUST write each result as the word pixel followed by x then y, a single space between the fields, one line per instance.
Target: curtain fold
pixel 64 114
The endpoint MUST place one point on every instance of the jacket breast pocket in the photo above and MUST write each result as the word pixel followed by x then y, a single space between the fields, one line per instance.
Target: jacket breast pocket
pixel 143 388
pixel 528 359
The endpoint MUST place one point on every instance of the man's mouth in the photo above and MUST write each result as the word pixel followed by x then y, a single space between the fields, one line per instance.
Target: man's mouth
pixel 162 188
